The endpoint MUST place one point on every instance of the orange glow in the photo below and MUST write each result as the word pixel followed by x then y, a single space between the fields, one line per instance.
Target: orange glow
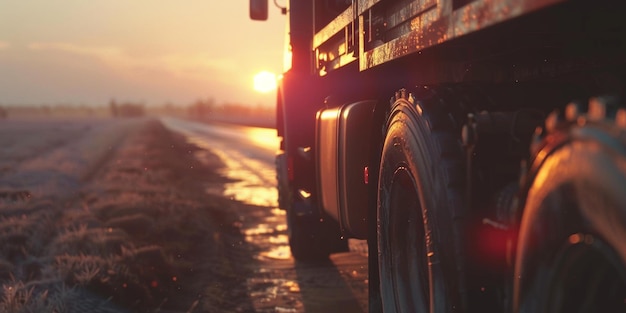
pixel 575 238
pixel 124 50
pixel 265 82
pixel 264 137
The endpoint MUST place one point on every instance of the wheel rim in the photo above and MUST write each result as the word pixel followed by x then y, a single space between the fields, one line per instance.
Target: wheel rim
pixel 590 278
pixel 405 257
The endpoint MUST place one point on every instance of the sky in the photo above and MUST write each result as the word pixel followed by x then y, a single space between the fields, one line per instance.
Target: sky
pixel 154 52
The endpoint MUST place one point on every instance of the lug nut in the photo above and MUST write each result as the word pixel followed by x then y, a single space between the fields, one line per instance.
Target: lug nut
pixel 571 111
pixel 620 118
pixel 552 121
pixel 597 109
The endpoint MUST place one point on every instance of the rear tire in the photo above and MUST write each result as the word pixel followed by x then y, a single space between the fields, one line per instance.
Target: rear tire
pixel 312 238
pixel 418 191
pixel 571 252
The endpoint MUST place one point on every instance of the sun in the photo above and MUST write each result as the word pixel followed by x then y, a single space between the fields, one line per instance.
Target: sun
pixel 265 82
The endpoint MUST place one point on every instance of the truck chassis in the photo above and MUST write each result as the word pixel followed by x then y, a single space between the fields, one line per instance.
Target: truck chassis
pixel 478 145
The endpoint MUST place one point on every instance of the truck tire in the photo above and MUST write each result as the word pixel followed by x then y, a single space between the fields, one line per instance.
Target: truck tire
pixel 311 237
pixel 571 251
pixel 420 163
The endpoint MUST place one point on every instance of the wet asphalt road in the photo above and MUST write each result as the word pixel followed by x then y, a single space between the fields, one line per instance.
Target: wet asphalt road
pixel 279 284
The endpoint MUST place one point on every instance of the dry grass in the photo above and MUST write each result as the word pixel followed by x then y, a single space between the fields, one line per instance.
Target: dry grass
pixel 127 241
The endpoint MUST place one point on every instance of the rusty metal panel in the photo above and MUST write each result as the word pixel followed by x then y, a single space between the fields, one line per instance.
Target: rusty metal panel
pixel 334 27
pixel 423 32
pixel 335 53
pixel 364 5
pixel 433 25
pixel 412 9
pixel 334 45
pixel 336 63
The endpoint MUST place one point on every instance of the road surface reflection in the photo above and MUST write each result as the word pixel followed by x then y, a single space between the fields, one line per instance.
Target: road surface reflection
pixel 279 284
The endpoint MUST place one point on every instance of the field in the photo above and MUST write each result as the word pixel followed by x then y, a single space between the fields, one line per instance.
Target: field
pixel 110 215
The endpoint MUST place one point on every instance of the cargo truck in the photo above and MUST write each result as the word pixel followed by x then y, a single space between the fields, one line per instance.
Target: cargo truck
pixel 479 146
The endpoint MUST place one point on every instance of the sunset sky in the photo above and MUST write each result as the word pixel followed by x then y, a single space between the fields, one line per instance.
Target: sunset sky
pixel 89 52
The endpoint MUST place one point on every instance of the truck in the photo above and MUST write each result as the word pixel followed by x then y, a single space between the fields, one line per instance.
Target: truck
pixel 479 146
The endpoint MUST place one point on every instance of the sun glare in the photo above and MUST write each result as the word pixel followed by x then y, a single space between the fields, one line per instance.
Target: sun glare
pixel 264 81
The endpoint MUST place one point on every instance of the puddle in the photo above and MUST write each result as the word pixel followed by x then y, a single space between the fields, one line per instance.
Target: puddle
pixel 277 253
pixel 278 285
pixel 260 229
pixel 255 195
pixel 253 182
pixel 280 239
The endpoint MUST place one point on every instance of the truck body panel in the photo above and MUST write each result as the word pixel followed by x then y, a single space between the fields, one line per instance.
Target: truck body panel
pixel 376 32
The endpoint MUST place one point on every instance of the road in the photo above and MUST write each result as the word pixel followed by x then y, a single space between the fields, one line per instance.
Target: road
pixel 279 284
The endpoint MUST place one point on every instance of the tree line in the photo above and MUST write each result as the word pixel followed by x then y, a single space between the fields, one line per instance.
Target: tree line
pixel 201 109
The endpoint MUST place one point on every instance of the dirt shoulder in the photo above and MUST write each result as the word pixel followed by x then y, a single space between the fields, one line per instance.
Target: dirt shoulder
pixel 141 235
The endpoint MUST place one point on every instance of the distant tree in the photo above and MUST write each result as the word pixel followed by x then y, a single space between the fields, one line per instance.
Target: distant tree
pixel 46 110
pixel 113 107
pixel 127 109
pixel 131 110
pixel 201 108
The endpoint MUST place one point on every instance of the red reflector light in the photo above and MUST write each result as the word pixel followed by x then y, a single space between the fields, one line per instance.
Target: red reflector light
pixel 366 175
pixel 493 244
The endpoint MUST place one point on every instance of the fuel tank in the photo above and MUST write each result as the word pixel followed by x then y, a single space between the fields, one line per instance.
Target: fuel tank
pixel 343 150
